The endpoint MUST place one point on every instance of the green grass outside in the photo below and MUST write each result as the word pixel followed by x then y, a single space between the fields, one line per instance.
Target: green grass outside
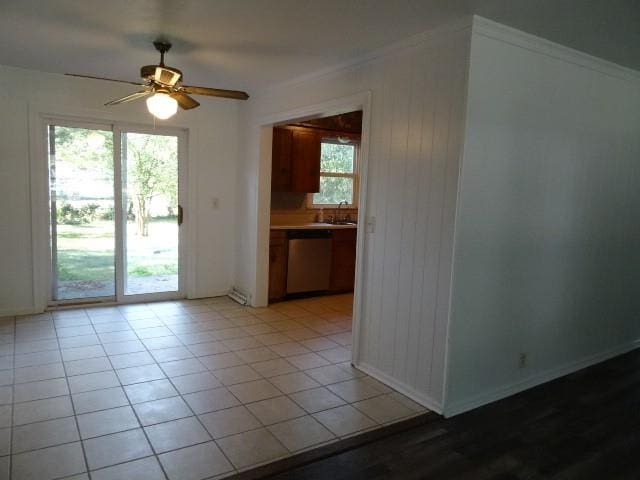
pixel 86 252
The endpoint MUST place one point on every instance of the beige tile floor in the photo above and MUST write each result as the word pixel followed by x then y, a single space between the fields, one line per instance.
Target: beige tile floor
pixel 183 390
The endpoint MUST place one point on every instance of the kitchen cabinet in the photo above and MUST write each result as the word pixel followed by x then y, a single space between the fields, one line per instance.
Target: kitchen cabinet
pixel 277 265
pixel 343 260
pixel 305 161
pixel 281 160
pixel 295 160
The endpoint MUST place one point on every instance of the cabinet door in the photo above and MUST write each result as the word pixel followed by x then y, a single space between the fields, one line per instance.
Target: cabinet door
pixel 277 265
pixel 281 160
pixel 343 261
pixel 305 161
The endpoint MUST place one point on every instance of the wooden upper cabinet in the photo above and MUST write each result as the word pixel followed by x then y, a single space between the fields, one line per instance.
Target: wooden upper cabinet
pixel 305 161
pixel 281 160
pixel 295 161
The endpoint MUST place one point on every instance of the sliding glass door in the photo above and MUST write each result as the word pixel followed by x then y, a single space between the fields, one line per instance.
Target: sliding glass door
pixel 150 182
pixel 82 212
pixel 114 213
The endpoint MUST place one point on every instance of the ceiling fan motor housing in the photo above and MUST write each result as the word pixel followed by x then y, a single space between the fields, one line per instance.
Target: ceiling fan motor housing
pixel 163 75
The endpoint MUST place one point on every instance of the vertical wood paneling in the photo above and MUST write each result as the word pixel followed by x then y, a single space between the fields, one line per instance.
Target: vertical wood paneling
pixel 413 172
pixel 396 162
pixel 373 278
pixel 457 109
pixel 414 347
pixel 409 217
pixel 434 217
pixel 378 157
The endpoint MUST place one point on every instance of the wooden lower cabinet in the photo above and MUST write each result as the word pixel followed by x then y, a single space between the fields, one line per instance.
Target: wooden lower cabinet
pixel 343 260
pixel 278 255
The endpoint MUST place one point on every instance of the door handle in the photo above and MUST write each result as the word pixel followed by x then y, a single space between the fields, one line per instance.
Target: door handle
pixel 180 215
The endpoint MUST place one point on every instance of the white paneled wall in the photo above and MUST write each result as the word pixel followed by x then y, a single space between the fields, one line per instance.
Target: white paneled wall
pixel 417 107
pixel 547 257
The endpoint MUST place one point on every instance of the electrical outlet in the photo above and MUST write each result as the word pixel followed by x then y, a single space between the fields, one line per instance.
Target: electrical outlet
pixel 522 360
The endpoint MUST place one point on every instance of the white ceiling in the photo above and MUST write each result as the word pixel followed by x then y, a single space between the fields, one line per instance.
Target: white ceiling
pixel 249 44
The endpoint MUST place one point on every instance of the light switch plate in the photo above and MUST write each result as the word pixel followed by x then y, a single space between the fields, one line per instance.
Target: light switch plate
pixel 370 224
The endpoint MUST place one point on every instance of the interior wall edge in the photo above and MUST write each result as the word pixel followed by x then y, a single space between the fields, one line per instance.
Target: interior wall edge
pixel 418 397
pixel 548 147
pixel 416 135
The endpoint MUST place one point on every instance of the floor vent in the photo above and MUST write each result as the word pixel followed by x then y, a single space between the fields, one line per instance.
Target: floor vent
pixel 238 296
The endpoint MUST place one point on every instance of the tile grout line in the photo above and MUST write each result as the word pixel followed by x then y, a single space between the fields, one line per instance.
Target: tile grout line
pixel 186 403
pixel 144 432
pixel 73 406
pixel 13 398
pixel 225 386
pixel 123 386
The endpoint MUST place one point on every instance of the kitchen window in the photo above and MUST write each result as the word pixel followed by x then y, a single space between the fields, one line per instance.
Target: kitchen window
pixel 338 174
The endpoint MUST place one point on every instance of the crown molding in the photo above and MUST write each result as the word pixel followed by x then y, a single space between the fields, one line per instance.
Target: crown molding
pixel 497 31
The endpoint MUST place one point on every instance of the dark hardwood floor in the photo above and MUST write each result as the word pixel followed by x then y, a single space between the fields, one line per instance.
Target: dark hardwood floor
pixel 583 426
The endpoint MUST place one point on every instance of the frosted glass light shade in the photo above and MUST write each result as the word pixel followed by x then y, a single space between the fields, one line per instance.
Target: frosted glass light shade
pixel 162 106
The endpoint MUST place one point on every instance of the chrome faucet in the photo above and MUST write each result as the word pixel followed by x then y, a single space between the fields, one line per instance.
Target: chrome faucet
pixel 337 219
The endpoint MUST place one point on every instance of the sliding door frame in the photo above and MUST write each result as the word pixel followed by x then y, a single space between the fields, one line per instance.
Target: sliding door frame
pixel 181 135
pixel 41 241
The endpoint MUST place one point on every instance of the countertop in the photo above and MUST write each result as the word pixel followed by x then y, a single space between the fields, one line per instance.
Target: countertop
pixel 312 226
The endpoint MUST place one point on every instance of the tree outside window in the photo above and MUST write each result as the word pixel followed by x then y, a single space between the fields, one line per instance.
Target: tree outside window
pixel 338 182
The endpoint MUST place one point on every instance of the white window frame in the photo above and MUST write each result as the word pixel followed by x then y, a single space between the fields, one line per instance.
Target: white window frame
pixel 354 176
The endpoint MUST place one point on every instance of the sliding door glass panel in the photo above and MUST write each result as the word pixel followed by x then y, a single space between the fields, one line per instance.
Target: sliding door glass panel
pixel 150 205
pixel 82 216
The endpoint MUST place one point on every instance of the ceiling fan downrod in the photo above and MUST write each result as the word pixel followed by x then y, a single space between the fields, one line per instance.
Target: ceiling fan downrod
pixel 163 47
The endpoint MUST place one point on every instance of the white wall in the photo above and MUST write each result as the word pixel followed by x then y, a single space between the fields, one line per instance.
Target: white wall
pixel 212 166
pixel 547 255
pixel 417 105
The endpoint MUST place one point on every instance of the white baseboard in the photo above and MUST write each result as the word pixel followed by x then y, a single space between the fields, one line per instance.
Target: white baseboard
pixel 15 311
pixel 499 393
pixel 219 293
pixel 12 312
pixel 406 390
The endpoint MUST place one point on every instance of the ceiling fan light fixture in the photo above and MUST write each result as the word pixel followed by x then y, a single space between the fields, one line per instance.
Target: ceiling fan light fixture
pixel 162 106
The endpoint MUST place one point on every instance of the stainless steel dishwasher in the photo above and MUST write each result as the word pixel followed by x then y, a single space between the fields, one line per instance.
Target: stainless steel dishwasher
pixel 309 263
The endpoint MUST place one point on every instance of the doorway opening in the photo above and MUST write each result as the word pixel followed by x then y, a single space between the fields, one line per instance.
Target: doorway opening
pixel 313 223
pixel 114 213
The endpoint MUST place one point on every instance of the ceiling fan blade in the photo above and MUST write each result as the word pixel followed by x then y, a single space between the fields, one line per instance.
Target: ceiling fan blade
pixel 102 78
pixel 129 98
pixel 184 100
pixel 215 92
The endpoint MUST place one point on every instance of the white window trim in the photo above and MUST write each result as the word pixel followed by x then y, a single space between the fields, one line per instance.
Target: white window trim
pixel 355 176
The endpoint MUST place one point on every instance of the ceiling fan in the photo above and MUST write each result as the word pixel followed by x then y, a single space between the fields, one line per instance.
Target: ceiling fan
pixel 164 90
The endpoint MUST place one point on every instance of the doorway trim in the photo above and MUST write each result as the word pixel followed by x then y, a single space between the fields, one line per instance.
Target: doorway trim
pixel 358 101
pixel 39 184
